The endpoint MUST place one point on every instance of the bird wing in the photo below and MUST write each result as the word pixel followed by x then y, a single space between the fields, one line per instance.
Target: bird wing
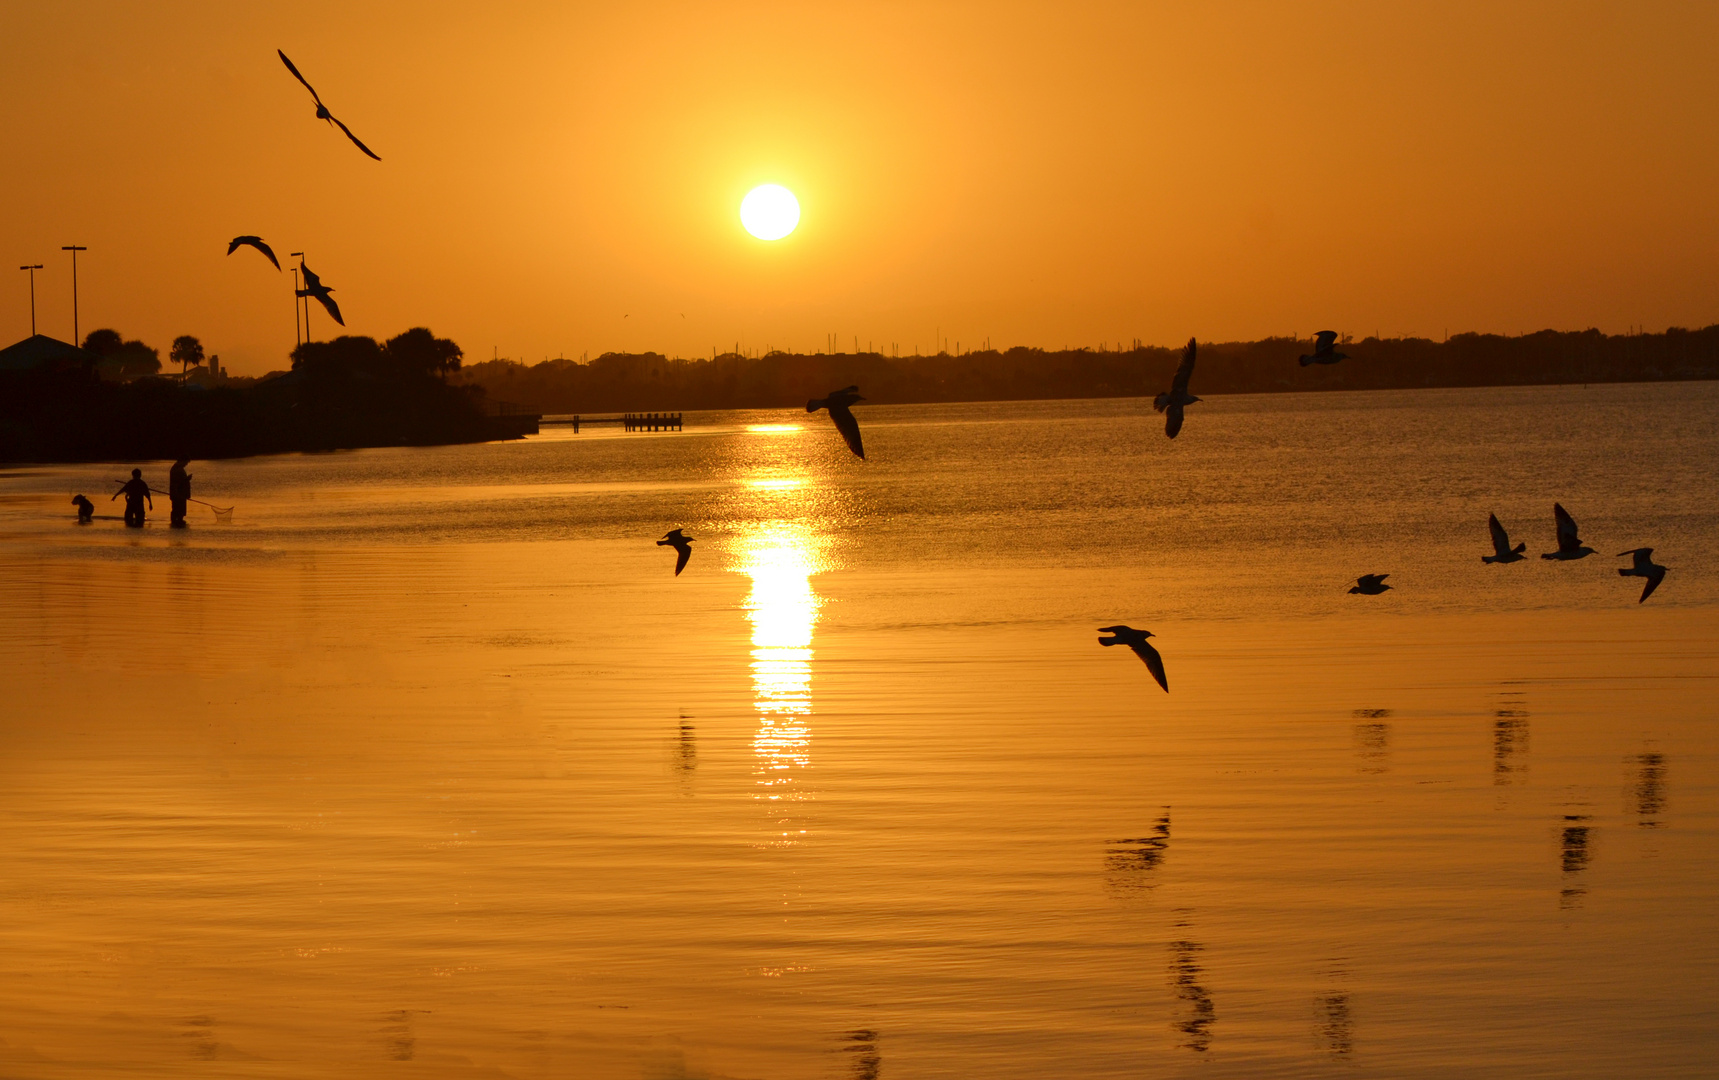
pixel 1154 662
pixel 256 242
pixel 1500 538
pixel 333 308
pixel 1643 558
pixel 849 427
pixel 1654 577
pixel 684 552
pixel 311 281
pixel 1325 340
pixel 1172 421
pixel 1179 384
pixel 1567 539
pixel 355 140
pixel 299 77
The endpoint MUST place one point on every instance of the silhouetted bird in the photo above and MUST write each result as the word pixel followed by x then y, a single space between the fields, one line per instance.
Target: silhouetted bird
pixel 1501 549
pixel 1569 545
pixel 838 403
pixel 682 544
pixel 322 112
pixel 1370 584
pixel 1324 349
pixel 313 286
pixel 1172 402
pixel 256 242
pixel 1644 567
pixel 1136 640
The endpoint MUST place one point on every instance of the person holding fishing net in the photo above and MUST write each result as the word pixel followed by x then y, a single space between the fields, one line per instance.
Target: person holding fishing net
pixel 136 493
pixel 178 491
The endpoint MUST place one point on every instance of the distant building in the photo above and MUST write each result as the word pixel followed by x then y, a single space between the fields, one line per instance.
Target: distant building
pixel 42 351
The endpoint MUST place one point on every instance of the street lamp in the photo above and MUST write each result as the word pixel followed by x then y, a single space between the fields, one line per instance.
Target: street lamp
pixel 295 298
pixel 32 270
pixel 74 249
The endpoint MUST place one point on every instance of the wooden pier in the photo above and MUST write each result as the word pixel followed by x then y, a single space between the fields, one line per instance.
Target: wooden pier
pixel 628 421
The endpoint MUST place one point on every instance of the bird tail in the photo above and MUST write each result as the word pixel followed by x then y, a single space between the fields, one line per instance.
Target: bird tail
pixel 1161 402
pixel 1306 360
pixel 1118 641
pixel 814 405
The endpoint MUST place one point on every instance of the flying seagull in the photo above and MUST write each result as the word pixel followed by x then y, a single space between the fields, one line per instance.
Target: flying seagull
pixel 1644 567
pixel 253 241
pixel 1324 349
pixel 322 112
pixel 838 403
pixel 1502 552
pixel 1370 584
pixel 1173 401
pixel 1136 640
pixel 1570 545
pixel 313 286
pixel 682 544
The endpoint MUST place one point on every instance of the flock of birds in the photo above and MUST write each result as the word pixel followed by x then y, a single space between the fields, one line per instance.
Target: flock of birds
pixel 1172 403
pixel 312 285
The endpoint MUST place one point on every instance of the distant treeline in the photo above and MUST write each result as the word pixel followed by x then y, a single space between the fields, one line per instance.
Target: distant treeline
pixel 616 382
pixel 345 393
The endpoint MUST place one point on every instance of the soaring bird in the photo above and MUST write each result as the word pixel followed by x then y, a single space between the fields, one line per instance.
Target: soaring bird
pixel 1370 584
pixel 1501 550
pixel 1136 640
pixel 838 403
pixel 1644 567
pixel 313 286
pixel 682 544
pixel 256 242
pixel 1324 349
pixel 1174 400
pixel 322 112
pixel 1570 546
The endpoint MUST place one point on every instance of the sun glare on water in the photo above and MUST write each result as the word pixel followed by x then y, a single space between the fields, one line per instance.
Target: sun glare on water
pixel 770 212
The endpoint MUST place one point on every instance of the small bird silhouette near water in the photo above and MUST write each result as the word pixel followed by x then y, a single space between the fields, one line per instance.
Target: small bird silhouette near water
pixel 253 241
pixel 682 544
pixel 1173 401
pixel 1136 640
pixel 1570 545
pixel 1324 349
pixel 313 286
pixel 1502 552
pixel 838 403
pixel 322 112
pixel 1644 567
pixel 1370 584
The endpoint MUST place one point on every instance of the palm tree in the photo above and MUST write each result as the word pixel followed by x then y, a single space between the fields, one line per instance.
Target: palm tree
pixel 188 351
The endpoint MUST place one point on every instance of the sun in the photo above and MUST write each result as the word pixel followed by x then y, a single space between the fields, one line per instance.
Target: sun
pixel 770 211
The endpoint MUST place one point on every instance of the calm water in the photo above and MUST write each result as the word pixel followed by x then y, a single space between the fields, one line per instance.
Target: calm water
pixel 427 765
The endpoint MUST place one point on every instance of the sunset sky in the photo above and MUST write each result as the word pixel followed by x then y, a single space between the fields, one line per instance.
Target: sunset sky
pixel 561 178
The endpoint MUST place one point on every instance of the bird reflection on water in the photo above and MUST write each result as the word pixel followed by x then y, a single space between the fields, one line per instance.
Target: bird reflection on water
pixel 1574 857
pixel 1373 741
pixel 1649 788
pixel 780 557
pixel 1195 1023
pixel 1129 863
pixel 1509 740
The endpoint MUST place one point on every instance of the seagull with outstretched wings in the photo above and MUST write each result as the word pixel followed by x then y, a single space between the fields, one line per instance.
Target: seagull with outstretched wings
pixel 1136 640
pixel 1502 552
pixel 1324 349
pixel 322 112
pixel 1570 545
pixel 253 241
pixel 682 544
pixel 1644 567
pixel 1370 584
pixel 313 286
pixel 1172 401
pixel 838 403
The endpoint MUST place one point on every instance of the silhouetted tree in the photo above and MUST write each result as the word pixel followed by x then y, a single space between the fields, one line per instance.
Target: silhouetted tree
pixel 187 352
pixel 418 351
pixel 121 359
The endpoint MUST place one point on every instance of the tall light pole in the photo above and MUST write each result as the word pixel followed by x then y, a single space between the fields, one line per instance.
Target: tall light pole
pixel 295 337
pixel 32 270
pixel 74 249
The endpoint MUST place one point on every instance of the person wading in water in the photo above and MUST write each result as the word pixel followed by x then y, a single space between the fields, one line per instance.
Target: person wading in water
pixel 136 493
pixel 179 491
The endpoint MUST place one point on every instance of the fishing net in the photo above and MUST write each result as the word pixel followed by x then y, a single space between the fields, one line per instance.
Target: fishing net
pixel 223 514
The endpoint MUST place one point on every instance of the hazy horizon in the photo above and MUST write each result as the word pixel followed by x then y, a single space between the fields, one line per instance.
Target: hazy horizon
pixel 558 182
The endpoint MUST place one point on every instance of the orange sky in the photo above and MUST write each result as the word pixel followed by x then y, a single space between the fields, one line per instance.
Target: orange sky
pixel 561 178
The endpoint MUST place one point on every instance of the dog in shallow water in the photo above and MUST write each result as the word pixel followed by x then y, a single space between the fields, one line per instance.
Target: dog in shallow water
pixel 86 509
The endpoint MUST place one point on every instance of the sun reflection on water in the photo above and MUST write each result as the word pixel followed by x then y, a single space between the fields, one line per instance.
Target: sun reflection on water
pixel 780 557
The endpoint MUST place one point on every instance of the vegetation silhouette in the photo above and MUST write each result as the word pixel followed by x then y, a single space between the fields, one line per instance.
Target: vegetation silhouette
pixel 121 359
pixel 619 382
pixel 341 394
